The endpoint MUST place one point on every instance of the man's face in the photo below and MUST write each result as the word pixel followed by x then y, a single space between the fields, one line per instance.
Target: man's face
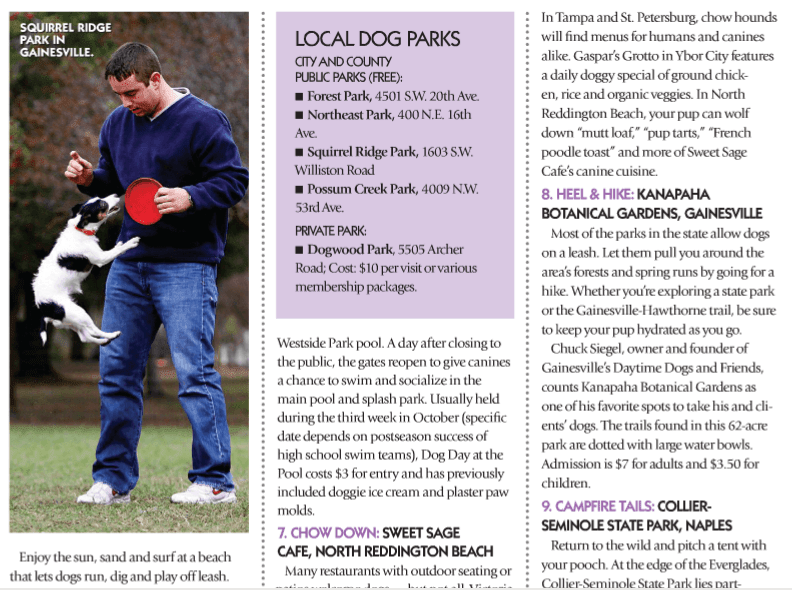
pixel 142 100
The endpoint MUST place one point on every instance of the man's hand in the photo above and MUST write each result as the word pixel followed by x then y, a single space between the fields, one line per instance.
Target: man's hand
pixel 172 200
pixel 79 171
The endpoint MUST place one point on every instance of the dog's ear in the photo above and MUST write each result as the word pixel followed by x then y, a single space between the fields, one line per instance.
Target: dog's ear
pixel 82 221
pixel 76 209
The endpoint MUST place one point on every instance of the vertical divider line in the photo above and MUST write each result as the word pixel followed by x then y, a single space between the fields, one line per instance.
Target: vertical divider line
pixel 263 201
pixel 527 312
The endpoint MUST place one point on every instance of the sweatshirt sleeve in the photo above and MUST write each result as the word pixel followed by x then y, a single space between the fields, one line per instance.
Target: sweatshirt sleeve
pixel 105 180
pixel 224 180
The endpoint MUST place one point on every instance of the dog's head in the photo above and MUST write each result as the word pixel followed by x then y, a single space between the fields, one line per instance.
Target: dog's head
pixel 93 213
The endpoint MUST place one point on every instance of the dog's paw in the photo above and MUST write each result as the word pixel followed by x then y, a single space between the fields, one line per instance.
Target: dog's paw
pixel 132 243
pixel 110 336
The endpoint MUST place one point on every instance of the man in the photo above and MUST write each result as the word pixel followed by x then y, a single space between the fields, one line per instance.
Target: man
pixel 171 136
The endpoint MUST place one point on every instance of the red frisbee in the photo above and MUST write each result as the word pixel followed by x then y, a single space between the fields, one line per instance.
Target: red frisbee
pixel 139 201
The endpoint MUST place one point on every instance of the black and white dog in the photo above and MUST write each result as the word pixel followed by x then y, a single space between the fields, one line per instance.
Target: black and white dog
pixel 62 272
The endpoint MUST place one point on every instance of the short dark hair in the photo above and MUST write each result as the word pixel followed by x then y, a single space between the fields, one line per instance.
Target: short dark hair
pixel 133 58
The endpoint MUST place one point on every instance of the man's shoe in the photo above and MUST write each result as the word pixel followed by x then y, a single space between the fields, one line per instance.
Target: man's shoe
pixel 101 493
pixel 199 493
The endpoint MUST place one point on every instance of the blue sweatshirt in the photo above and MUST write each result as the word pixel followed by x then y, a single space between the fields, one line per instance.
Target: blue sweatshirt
pixel 189 145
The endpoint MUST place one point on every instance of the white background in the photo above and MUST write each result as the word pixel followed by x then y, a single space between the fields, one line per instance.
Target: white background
pixel 757 500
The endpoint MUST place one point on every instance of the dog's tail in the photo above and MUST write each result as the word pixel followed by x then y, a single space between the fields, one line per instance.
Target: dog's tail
pixel 48 310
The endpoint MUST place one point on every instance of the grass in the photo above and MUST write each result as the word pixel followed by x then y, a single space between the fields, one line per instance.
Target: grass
pixel 52 444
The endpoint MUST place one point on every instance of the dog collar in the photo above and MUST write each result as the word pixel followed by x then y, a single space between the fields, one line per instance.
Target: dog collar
pixel 87 232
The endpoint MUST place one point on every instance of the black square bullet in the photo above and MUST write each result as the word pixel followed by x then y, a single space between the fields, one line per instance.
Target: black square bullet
pixel 298 115
pixel 298 96
pixel 298 250
pixel 298 152
pixel 298 190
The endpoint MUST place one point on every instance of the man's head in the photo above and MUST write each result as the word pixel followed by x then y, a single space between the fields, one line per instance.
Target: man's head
pixel 133 58
pixel 135 75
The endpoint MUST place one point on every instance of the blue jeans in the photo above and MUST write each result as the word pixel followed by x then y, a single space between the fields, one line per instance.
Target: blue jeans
pixel 139 297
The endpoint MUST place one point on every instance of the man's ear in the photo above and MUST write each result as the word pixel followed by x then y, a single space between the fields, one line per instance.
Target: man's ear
pixel 156 79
